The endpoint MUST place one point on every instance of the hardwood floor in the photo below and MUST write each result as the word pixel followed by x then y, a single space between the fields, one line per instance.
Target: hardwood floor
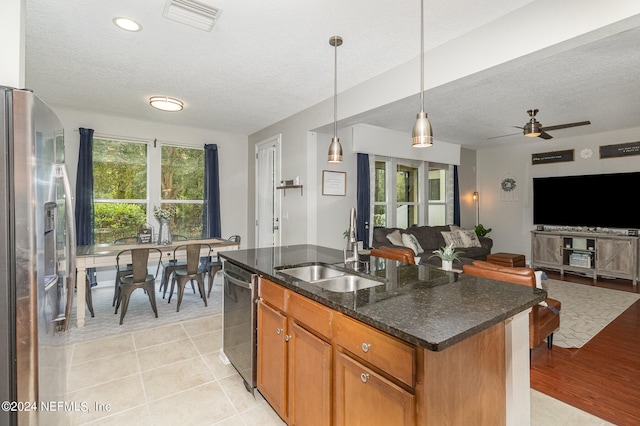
pixel 602 377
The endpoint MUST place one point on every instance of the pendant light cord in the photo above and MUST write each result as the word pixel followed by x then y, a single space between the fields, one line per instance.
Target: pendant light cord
pixel 335 88
pixel 421 55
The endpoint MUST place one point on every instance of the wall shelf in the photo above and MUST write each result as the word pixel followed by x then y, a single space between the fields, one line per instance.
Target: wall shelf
pixel 285 187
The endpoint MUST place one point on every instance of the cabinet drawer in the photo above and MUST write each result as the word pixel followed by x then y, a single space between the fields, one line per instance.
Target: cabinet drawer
pixel 389 354
pixel 272 293
pixel 313 314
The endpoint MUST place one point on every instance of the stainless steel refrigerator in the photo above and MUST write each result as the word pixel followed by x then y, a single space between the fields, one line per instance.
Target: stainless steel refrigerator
pixel 37 261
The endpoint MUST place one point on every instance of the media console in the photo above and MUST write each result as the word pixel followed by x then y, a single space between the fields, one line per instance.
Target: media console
pixel 592 254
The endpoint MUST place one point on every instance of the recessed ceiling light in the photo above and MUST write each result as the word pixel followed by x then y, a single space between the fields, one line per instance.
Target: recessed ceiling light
pixel 127 24
pixel 165 103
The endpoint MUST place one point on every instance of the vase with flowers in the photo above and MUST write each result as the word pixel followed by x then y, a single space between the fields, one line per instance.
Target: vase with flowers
pixel 448 254
pixel 164 217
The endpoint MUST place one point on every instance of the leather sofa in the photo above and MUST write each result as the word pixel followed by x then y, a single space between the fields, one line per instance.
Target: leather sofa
pixel 543 321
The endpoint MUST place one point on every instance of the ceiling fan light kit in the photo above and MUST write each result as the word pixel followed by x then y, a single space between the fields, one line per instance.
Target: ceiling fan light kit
pixel 533 128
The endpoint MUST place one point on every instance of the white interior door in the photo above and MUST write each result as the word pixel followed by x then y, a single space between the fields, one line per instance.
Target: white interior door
pixel 267 200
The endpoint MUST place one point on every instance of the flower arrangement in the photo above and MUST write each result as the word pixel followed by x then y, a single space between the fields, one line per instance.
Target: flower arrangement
pixel 447 253
pixel 161 213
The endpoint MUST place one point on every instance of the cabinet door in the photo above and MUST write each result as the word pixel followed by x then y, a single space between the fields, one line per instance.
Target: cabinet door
pixel 615 256
pixel 368 399
pixel 309 378
pixel 272 357
pixel 546 249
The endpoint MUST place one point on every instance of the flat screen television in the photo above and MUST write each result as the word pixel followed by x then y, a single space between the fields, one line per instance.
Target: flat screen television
pixel 603 200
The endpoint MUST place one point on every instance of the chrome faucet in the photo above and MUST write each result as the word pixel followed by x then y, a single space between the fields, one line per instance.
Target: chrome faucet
pixel 352 245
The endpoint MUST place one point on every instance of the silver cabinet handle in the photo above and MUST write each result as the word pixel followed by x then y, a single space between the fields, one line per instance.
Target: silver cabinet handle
pixel 278 330
pixel 366 347
pixel 364 377
pixel 287 337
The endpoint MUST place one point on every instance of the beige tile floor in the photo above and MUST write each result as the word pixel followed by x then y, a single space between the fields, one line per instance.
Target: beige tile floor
pixel 162 376
pixel 172 375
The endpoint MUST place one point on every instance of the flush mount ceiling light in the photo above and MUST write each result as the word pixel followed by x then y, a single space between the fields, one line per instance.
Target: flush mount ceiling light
pixel 165 103
pixel 335 149
pixel 127 24
pixel 422 134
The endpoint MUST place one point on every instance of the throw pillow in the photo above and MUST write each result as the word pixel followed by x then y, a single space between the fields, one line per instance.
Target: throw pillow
pixel 453 238
pixel 395 238
pixel 469 238
pixel 410 241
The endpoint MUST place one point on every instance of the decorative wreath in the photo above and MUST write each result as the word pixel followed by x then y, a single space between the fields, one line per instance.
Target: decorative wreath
pixel 508 184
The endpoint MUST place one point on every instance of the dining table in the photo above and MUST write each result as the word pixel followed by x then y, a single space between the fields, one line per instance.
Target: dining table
pixel 104 255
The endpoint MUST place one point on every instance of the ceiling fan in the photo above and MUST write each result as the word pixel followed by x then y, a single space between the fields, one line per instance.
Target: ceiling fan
pixel 533 128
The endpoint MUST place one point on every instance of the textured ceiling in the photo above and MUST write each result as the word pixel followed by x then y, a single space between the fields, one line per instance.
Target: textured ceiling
pixel 264 61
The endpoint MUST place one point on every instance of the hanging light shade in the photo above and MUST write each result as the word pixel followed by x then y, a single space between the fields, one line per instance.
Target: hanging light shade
pixel 422 135
pixel 335 149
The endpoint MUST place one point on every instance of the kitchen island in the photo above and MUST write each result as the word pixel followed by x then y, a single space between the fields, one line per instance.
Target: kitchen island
pixel 460 342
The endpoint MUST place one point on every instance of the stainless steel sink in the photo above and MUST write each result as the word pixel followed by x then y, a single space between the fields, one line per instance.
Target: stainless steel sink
pixel 311 273
pixel 330 279
pixel 346 283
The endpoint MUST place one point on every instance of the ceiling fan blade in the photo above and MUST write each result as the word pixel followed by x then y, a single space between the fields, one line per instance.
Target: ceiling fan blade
pixel 565 126
pixel 504 136
pixel 545 135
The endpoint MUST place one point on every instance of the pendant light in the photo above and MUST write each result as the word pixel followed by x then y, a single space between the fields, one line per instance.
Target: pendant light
pixel 422 134
pixel 335 149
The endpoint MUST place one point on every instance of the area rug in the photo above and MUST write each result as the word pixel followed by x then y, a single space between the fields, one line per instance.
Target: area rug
pixel 586 310
pixel 139 314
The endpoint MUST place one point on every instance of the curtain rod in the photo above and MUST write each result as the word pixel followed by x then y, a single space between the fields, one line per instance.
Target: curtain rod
pixel 133 139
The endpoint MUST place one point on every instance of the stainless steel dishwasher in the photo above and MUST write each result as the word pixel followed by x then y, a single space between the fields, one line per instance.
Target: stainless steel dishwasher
pixel 239 321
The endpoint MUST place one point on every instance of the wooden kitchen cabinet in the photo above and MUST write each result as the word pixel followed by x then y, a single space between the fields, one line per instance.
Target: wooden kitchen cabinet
pixel 272 357
pixel 294 363
pixel 317 366
pixel 364 397
pixel 309 378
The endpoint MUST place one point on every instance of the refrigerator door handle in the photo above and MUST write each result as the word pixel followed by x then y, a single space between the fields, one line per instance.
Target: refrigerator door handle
pixel 61 172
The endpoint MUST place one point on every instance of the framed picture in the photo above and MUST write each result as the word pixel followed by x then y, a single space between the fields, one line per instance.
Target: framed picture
pixel 145 236
pixel 334 183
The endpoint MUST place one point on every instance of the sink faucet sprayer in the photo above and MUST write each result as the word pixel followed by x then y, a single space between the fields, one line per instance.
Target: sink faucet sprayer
pixel 352 245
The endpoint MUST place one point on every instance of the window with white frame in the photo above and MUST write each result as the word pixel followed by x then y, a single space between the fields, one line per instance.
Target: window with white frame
pixel 437 195
pixel 131 177
pixel 399 198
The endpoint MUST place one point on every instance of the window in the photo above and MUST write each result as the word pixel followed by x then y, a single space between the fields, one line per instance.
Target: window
pixel 182 181
pixel 398 199
pixel 119 189
pixel 380 196
pixel 130 178
pixel 437 210
pixel 406 196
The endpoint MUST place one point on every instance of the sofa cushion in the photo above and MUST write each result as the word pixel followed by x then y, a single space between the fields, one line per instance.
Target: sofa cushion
pixel 469 238
pixel 411 241
pixel 395 238
pixel 453 238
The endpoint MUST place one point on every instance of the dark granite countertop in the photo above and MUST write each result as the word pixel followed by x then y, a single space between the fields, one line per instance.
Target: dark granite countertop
pixel 419 304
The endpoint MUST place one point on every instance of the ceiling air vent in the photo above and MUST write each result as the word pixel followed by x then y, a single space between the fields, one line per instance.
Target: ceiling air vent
pixel 192 13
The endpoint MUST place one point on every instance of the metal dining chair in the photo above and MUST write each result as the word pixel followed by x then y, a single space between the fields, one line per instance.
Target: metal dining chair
pixel 122 270
pixel 139 278
pixel 192 271
pixel 213 266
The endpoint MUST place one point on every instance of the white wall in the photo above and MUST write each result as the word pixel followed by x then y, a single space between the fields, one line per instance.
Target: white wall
pixel 512 221
pixel 12 46
pixel 232 152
